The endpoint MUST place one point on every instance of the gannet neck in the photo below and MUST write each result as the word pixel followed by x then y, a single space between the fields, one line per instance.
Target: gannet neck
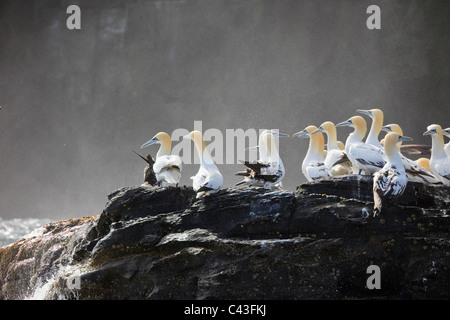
pixel 331 132
pixel 390 149
pixel 271 147
pixel 316 144
pixel 200 146
pixel 360 126
pixel 437 144
pixel 375 129
pixel 263 154
pixel 165 144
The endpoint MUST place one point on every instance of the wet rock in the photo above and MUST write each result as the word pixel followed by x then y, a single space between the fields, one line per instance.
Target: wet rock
pixel 252 243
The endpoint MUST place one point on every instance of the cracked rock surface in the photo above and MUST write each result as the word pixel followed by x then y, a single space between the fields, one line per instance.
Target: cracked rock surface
pixel 250 243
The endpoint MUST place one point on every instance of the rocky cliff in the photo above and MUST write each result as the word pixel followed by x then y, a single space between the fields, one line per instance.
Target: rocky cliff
pixel 248 243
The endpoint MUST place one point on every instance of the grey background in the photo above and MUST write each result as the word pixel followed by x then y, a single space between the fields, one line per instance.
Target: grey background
pixel 76 103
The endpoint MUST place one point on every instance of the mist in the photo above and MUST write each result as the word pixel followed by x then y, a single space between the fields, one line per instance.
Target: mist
pixel 76 103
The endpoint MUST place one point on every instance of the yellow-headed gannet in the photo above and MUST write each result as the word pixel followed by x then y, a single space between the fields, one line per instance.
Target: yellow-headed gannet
pixel 446 132
pixel 167 167
pixel 393 127
pixel 336 160
pixel 413 169
pixel 313 166
pixel 269 170
pixel 377 123
pixel 208 179
pixel 390 182
pixel 424 163
pixel 439 161
pixel 364 157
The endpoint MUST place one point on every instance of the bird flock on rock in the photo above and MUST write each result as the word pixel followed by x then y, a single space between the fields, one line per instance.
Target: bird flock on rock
pixel 360 155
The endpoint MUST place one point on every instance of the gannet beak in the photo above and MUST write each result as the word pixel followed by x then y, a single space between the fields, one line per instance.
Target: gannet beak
pixel 255 148
pixel 301 134
pixel 347 123
pixel 446 132
pixel 150 142
pixel 404 138
pixel 366 112
pixel 282 134
pixel 320 129
pixel 429 132
pixel 386 128
pixel 278 134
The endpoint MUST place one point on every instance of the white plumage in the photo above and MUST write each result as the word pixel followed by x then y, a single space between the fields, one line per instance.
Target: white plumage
pixel 377 117
pixel 336 160
pixel 439 161
pixel 391 180
pixel 313 165
pixel 415 171
pixel 363 156
pixel 208 179
pixel 268 171
pixel 167 167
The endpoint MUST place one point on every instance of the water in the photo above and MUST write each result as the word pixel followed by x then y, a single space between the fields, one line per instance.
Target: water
pixel 12 230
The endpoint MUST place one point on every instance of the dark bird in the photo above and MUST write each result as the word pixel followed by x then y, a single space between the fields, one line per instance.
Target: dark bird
pixel 149 175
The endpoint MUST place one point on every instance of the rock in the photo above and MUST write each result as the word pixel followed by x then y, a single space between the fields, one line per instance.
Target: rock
pixel 249 243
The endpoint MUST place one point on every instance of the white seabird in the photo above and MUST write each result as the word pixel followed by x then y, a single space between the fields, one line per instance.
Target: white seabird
pixel 439 161
pixel 208 179
pixel 336 160
pixel 391 180
pixel 377 117
pixel 268 171
pixel 313 165
pixel 363 156
pixel 167 167
pixel 415 171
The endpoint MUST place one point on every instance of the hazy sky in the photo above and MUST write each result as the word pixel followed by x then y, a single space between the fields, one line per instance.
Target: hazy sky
pixel 76 103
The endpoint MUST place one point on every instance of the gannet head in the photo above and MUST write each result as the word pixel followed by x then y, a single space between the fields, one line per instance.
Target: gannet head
pixel 327 127
pixel 197 137
pixel 160 138
pixel 446 132
pixel 358 123
pixel 307 132
pixel 390 142
pixel 317 143
pixel 433 129
pixel 424 163
pixel 373 113
pixel 393 127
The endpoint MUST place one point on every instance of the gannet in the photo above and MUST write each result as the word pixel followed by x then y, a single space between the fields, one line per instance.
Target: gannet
pixel 393 127
pixel 167 167
pixel 377 122
pixel 363 156
pixel 391 180
pixel 413 169
pixel 313 166
pixel 446 132
pixel 149 175
pixel 208 179
pixel 336 160
pixel 269 170
pixel 424 163
pixel 439 161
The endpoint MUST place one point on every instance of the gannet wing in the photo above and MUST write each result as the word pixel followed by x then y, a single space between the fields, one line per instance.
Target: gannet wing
pixel 166 162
